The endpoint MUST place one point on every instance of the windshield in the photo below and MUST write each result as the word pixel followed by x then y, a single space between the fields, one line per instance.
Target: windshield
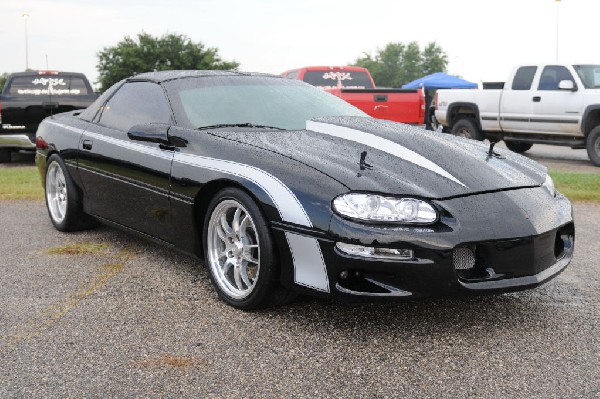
pixel 41 85
pixel 589 75
pixel 258 100
pixel 333 79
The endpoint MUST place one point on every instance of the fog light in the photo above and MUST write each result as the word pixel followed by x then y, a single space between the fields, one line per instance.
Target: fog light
pixel 375 253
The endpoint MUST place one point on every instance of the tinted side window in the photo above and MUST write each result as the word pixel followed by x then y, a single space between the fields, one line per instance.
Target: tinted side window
pixel 552 75
pixel 524 78
pixel 136 103
pixel 90 112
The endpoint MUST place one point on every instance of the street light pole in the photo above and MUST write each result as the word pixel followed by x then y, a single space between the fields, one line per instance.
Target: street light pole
pixel 26 16
pixel 557 14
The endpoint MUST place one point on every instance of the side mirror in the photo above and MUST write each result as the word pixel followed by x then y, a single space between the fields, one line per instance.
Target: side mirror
pixel 567 85
pixel 151 133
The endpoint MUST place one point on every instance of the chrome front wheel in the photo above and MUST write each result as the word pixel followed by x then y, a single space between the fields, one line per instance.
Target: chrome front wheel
pixel 233 249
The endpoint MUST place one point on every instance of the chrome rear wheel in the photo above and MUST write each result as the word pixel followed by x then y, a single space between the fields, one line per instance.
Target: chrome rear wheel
pixel 56 192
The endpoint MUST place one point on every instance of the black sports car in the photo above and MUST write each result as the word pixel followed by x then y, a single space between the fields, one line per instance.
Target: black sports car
pixel 284 188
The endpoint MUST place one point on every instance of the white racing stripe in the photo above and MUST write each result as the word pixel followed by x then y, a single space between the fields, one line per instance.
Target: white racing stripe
pixel 73 129
pixel 309 266
pixel 381 144
pixel 287 203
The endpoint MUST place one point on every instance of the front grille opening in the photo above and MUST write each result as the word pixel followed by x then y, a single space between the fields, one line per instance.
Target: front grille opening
pixel 563 243
pixel 468 263
pixel 354 280
pixel 463 258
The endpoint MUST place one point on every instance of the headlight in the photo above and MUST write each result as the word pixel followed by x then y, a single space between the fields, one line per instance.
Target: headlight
pixel 549 185
pixel 377 208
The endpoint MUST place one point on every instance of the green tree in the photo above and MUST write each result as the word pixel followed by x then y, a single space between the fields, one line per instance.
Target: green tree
pixel 3 78
pixel 147 53
pixel 434 59
pixel 398 63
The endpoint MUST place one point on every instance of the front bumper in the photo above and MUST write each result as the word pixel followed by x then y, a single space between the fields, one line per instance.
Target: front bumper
pixel 23 141
pixel 517 239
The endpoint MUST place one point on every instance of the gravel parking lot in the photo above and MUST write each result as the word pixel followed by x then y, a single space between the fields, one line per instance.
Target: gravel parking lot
pixel 136 320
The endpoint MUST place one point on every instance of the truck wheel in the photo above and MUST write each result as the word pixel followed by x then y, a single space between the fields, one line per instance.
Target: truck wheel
pixel 466 128
pixel 4 155
pixel 517 146
pixel 593 145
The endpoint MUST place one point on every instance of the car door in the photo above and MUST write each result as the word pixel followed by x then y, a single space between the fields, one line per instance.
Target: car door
pixel 516 105
pixel 554 110
pixel 126 181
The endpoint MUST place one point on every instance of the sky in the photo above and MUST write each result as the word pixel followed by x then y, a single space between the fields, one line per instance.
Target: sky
pixel 484 40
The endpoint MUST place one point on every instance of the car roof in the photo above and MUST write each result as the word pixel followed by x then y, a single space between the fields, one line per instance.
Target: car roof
pixel 163 76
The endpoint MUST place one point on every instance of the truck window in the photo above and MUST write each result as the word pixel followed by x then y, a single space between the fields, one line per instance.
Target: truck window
pixel 524 78
pixel 40 85
pixel 331 79
pixel 589 75
pixel 552 75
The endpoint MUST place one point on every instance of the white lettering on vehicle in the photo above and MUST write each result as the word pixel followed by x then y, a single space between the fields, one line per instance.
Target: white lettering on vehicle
pixel 51 83
pixel 337 75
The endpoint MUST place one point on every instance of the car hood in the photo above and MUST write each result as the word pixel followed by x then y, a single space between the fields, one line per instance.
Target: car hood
pixel 373 155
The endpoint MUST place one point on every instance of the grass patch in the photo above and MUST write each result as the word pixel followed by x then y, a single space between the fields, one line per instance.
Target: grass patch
pixel 578 186
pixel 82 248
pixel 20 183
pixel 23 183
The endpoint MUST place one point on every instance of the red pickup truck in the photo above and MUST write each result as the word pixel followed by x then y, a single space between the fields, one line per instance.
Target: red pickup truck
pixel 355 85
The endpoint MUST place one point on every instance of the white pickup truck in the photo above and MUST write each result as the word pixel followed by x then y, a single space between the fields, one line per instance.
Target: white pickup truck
pixel 555 104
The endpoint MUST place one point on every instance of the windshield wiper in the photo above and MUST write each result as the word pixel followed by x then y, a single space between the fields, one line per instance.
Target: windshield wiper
pixel 238 125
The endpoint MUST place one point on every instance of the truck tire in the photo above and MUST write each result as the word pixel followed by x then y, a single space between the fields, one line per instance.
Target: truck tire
pixel 593 145
pixel 4 155
pixel 467 128
pixel 518 146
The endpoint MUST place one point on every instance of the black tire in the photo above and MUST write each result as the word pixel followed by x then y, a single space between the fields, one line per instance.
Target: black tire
pixel 467 128
pixel 63 198
pixel 5 155
pixel 260 290
pixel 517 146
pixel 593 145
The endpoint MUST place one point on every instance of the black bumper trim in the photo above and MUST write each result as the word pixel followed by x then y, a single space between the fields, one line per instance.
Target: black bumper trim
pixel 522 281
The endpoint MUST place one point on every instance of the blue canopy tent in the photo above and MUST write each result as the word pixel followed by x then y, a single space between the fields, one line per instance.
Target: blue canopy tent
pixel 440 80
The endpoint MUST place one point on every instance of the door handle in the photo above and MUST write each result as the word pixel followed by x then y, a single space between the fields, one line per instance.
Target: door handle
pixel 537 99
pixel 87 144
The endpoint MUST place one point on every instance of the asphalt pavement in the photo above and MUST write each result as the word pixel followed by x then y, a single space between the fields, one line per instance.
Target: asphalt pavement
pixel 137 320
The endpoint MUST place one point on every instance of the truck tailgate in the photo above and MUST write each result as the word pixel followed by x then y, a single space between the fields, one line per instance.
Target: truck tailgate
pixel 406 106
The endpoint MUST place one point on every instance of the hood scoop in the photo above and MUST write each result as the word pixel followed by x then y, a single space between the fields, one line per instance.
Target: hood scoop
pixel 491 153
pixel 363 163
